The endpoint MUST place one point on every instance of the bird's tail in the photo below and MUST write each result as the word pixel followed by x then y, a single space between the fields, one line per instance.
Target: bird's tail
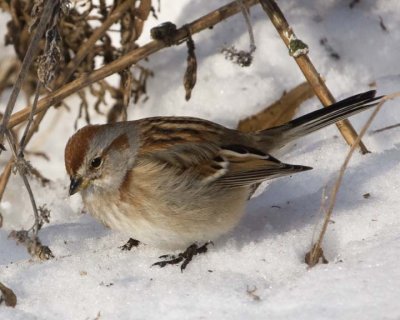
pixel 277 137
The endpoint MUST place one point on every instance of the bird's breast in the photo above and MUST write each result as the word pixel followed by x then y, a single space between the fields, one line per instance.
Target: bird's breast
pixel 166 218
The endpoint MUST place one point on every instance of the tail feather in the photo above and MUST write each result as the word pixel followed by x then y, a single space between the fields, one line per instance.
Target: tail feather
pixel 319 119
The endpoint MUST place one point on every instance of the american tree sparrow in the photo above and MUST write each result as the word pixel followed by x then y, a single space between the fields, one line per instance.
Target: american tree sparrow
pixel 176 182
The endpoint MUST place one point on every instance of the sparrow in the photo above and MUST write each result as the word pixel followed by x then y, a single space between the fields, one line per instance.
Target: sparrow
pixel 181 182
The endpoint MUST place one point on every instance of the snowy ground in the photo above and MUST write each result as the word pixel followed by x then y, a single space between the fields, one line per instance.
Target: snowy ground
pixel 91 277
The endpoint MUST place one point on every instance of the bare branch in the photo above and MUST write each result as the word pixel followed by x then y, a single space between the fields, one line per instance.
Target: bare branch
pixel 24 140
pixel 299 51
pixel 5 176
pixel 23 168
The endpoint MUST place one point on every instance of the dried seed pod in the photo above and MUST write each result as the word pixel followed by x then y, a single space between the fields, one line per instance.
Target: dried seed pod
pixel 189 79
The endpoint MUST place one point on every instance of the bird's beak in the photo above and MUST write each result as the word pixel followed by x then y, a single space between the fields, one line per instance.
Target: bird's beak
pixel 77 184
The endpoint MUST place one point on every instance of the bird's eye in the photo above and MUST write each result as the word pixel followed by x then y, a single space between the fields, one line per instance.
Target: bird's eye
pixel 96 163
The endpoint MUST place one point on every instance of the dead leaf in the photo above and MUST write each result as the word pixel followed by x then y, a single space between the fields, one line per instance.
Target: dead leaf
pixel 279 112
pixel 8 296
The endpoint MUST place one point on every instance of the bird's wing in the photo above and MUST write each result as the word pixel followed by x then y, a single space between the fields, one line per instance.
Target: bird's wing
pixel 196 148
pixel 247 166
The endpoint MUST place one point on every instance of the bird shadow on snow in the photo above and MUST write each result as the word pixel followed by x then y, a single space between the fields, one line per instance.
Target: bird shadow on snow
pixel 275 211
pixel 86 229
pixel 62 237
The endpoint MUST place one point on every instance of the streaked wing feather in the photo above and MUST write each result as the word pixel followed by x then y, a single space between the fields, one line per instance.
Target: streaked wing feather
pixel 196 147
pixel 251 172
pixel 243 166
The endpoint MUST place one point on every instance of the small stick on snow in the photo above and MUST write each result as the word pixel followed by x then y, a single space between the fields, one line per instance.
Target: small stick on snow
pixel 316 252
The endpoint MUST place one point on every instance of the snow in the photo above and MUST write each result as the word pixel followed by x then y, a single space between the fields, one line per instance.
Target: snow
pixel 91 277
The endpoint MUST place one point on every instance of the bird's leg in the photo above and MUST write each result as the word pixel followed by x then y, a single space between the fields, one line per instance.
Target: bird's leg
pixel 130 244
pixel 184 257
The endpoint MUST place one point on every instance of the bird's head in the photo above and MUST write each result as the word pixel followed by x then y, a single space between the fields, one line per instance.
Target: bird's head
pixel 98 157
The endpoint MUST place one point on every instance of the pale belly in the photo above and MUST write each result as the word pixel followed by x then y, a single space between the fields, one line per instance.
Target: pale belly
pixel 159 225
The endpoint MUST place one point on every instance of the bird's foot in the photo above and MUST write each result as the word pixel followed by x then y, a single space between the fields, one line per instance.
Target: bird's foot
pixel 130 244
pixel 184 257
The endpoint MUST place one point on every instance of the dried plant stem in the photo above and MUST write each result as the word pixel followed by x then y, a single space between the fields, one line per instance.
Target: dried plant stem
pixel 24 141
pixel 21 170
pixel 5 176
pixel 314 254
pixel 29 56
pixel 115 15
pixel 30 237
pixel 35 126
pixel 246 16
pixel 310 73
pixel 130 58
pixel 30 129
pixel 393 126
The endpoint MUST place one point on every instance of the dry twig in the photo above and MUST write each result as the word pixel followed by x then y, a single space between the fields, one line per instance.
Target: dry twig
pixel 246 16
pixel 299 51
pixel 316 252
pixel 241 57
pixel 5 176
pixel 393 126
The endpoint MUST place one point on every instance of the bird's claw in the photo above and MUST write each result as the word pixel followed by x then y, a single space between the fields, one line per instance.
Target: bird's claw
pixel 184 257
pixel 130 244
